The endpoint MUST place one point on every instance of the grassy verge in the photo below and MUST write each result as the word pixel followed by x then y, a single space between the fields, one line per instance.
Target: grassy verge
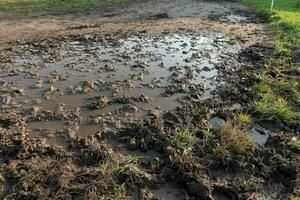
pixel 52 6
pixel 278 96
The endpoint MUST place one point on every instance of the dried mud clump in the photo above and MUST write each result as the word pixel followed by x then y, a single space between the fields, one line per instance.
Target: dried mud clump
pixel 98 102
pixel 93 156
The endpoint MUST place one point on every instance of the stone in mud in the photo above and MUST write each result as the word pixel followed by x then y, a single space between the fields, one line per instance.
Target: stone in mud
pixel 259 135
pixel 216 122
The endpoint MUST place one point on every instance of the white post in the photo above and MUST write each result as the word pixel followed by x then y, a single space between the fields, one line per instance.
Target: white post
pixel 272 4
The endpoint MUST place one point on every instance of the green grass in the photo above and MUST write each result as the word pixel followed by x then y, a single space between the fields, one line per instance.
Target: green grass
pixel 244 118
pixel 278 97
pixel 51 6
pixel 282 5
pixel 286 18
pixel 273 106
pixel 183 139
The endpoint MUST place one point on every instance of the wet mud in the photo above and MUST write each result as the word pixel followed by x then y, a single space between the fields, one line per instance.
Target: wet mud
pixel 100 77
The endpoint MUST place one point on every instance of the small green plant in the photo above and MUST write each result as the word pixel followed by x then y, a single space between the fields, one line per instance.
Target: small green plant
pixel 244 118
pixel 234 139
pixel 183 139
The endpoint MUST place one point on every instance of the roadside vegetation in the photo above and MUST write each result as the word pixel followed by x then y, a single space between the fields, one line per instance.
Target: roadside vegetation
pixel 278 93
pixel 51 6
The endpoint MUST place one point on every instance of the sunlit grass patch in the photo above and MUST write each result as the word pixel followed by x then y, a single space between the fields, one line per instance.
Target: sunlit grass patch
pixel 272 106
pixel 285 16
pixel 280 5
pixel 28 6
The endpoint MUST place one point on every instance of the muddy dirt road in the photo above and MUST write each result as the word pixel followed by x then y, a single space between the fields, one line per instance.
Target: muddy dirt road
pixel 100 104
pixel 152 16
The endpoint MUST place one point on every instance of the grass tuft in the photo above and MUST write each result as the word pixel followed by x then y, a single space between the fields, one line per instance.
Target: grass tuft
pixel 183 139
pixel 244 118
pixel 234 139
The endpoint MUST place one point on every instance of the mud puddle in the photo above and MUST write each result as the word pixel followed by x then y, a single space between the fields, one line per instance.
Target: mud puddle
pixel 113 79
